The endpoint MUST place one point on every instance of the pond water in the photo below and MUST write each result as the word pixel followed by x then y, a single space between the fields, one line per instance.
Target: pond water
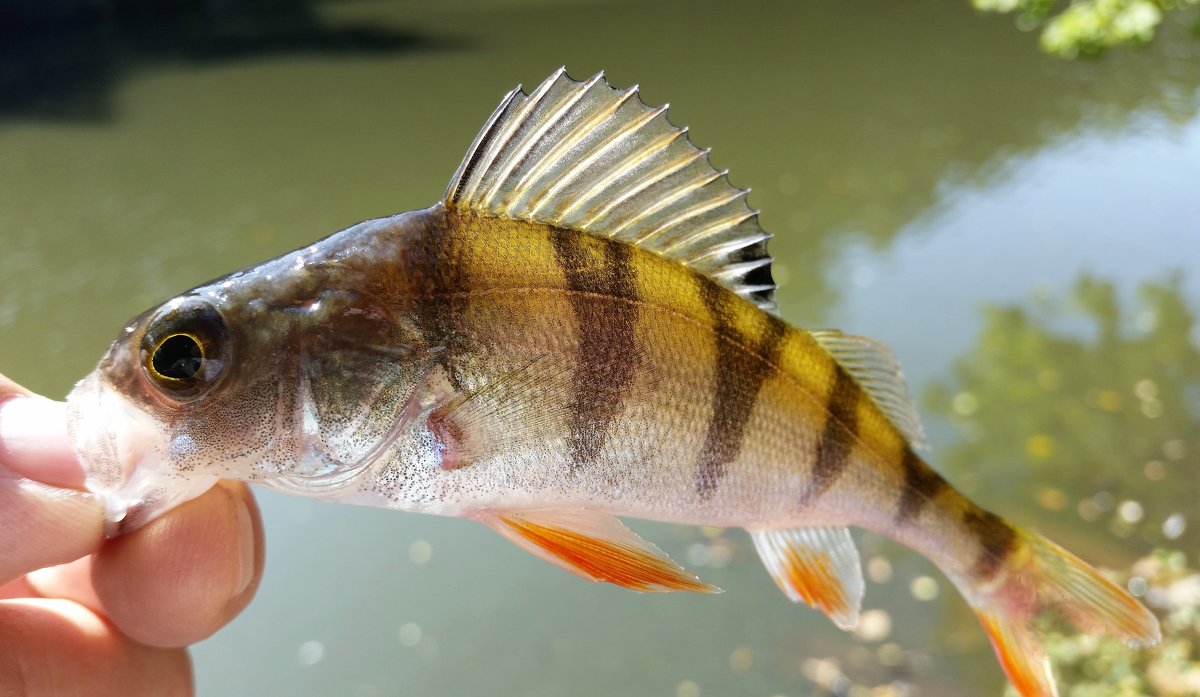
pixel 1023 231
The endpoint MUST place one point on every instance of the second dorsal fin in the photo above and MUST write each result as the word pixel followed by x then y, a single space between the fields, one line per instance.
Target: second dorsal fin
pixel 586 156
pixel 872 364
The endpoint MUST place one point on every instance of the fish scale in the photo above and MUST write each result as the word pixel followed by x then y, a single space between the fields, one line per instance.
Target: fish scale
pixel 757 443
pixel 583 328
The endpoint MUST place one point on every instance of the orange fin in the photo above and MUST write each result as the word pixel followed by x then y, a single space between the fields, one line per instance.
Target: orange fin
pixel 1020 654
pixel 819 566
pixel 1042 579
pixel 595 546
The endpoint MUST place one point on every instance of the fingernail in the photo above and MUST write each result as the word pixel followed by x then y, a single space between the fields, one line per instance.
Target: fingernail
pixel 245 536
pixel 34 442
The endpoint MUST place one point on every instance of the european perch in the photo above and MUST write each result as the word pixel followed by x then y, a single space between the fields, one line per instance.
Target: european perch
pixel 583 327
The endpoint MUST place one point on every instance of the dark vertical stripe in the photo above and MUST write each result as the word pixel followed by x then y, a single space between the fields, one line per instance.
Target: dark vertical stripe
pixel 837 437
pixel 739 381
pixel 996 537
pixel 442 265
pixel 606 349
pixel 921 485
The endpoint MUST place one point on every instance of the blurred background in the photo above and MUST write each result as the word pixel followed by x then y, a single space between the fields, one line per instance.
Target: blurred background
pixel 1022 228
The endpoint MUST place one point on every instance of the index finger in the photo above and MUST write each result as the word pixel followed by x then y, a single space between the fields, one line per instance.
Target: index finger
pixel 40 525
pixel 33 437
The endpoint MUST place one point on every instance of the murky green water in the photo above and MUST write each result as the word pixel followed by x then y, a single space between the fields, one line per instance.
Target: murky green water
pixel 1023 231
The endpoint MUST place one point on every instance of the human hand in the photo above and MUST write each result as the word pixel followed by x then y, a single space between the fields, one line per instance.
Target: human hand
pixel 81 615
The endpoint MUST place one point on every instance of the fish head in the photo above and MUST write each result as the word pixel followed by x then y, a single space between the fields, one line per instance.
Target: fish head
pixel 156 423
pixel 288 374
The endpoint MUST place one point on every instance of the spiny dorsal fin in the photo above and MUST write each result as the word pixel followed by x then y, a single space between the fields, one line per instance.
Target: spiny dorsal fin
pixel 586 156
pixel 877 371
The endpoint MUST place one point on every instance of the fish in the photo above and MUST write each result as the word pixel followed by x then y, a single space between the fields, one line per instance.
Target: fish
pixel 583 328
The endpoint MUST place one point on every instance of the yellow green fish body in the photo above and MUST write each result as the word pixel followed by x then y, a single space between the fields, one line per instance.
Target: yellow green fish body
pixel 583 328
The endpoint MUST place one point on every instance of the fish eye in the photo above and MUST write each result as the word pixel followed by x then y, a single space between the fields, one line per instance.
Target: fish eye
pixel 185 349
pixel 178 357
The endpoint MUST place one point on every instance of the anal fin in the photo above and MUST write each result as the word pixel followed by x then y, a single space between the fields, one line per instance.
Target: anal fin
pixel 819 566
pixel 1020 654
pixel 595 546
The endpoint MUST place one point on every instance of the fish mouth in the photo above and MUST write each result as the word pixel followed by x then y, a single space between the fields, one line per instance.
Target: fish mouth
pixel 122 449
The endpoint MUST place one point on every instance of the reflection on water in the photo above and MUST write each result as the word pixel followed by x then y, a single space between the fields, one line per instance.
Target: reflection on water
pixel 1081 413
pixel 1084 409
pixel 1171 669
pixel 1089 27
pixel 38 79
pixel 916 162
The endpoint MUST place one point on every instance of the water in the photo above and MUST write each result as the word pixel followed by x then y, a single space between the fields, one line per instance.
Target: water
pixel 932 180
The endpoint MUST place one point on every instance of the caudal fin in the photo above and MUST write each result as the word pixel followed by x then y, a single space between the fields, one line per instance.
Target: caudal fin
pixel 1042 579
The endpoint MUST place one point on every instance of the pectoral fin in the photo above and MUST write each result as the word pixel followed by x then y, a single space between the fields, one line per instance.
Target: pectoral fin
pixel 817 565
pixel 595 546
pixel 517 410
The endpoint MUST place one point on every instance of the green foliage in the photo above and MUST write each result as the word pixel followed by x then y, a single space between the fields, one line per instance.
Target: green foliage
pixel 1070 408
pixel 1089 666
pixel 1088 27
pixel 1085 409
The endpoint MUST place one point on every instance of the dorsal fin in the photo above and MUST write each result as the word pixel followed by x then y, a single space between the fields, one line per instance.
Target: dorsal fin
pixel 586 156
pixel 872 364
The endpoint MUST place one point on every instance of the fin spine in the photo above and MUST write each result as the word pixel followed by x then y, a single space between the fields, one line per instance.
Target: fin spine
pixel 633 160
pixel 484 138
pixel 517 158
pixel 667 200
pixel 497 146
pixel 586 162
pixel 577 135
pixel 695 211
pixel 585 156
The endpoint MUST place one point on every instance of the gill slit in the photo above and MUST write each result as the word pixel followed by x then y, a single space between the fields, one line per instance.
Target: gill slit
pixel 343 473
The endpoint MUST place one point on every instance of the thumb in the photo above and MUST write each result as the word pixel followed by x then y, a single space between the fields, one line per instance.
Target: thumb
pixel 33 437
pixel 40 525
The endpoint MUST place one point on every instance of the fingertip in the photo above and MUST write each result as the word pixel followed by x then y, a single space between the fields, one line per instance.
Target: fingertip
pixel 9 388
pixel 182 577
pixel 34 442
pixel 42 526
pixel 18 588
pixel 71 581
pixel 52 647
pixel 42 522
pixel 252 553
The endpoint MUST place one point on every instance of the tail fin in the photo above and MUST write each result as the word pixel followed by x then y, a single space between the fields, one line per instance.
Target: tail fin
pixel 1044 579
